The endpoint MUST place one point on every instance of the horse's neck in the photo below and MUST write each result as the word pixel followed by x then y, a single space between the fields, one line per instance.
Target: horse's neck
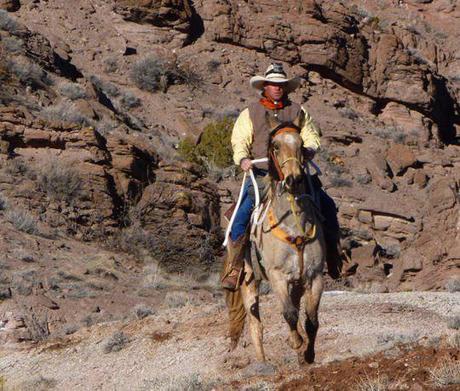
pixel 283 205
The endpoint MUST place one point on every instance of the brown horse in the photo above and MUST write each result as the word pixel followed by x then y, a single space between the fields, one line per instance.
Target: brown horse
pixel 290 243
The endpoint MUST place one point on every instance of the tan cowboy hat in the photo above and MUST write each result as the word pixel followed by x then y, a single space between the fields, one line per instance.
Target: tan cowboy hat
pixel 275 74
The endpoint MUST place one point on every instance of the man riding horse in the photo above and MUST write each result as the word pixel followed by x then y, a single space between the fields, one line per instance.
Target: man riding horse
pixel 249 140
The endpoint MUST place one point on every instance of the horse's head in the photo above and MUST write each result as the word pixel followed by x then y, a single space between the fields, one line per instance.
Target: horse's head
pixel 285 156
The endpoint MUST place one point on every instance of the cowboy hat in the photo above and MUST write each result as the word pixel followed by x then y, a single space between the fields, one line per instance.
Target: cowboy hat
pixel 275 74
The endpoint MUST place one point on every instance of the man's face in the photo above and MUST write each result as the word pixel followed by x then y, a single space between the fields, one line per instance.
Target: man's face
pixel 274 90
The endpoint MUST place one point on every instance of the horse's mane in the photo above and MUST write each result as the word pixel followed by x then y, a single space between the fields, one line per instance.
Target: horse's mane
pixel 272 171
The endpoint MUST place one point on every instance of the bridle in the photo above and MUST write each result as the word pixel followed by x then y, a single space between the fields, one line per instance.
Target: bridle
pixel 273 157
pixel 300 241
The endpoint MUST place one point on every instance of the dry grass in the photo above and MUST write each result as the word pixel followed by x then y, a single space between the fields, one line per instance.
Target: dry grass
pixel 453 284
pixel 176 299
pixel 72 91
pixel 379 383
pixel 7 23
pixel 141 311
pixel 29 73
pixel 67 112
pixel 60 181
pixel 454 341
pixel 3 202
pixel 445 374
pixel 22 221
pixel 38 383
pixel 454 323
pixel 190 382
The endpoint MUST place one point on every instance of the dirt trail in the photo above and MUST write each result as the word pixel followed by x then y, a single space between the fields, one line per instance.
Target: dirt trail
pixel 185 347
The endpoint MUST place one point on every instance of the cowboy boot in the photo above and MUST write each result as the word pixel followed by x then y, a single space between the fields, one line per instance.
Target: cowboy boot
pixel 233 267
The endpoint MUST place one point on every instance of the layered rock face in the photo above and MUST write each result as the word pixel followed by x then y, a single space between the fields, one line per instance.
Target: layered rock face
pixel 331 38
pixel 380 81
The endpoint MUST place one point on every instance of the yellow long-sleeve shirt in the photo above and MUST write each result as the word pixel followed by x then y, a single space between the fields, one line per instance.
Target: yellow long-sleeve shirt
pixel 243 135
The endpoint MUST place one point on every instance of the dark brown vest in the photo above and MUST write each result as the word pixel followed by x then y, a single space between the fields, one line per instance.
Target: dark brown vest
pixel 265 120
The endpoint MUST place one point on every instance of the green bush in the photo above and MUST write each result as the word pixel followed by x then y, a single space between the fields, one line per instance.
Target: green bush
pixel 214 146
pixel 187 150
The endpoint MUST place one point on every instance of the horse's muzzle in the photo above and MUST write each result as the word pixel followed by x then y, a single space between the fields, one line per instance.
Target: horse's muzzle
pixel 293 183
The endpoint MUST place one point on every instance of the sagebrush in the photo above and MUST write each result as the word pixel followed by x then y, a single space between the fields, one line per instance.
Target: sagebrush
pixel 59 180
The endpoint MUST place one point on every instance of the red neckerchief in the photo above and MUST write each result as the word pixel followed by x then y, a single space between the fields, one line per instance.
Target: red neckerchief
pixel 271 105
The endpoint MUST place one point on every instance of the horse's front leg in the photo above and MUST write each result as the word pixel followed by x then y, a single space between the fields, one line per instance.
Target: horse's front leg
pixel 290 301
pixel 312 299
pixel 250 295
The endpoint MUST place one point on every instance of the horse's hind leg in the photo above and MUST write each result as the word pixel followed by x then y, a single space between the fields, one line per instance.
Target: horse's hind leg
pixel 251 304
pixel 290 302
pixel 312 299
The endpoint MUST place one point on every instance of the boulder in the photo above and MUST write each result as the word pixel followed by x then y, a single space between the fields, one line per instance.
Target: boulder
pixel 399 158
pixel 364 255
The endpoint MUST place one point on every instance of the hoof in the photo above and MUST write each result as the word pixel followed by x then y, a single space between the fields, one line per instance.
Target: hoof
pixel 309 356
pixel 295 342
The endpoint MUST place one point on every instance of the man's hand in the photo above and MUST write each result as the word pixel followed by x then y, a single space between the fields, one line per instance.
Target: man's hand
pixel 246 164
pixel 309 153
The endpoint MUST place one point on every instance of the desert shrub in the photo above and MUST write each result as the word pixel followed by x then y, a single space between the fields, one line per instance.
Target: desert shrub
pixel 213 65
pixel 379 383
pixel 216 173
pixel 189 382
pixel 38 383
pixel 141 311
pixel 454 341
pixel 129 100
pixel 184 74
pixel 391 133
pixel 454 323
pixel 150 74
pixel 214 146
pixel 453 284
pixel 337 181
pixel 116 342
pixel 22 221
pixel 176 299
pixel 135 240
pixel 349 113
pixel 3 202
pixel 28 73
pixel 7 23
pixel 111 65
pixel 70 329
pixel 67 112
pixel 445 374
pixel 106 87
pixel 363 179
pixel 17 166
pixel 13 44
pixel 60 181
pixel 106 127
pixel 153 74
pixel 186 149
pixel 72 91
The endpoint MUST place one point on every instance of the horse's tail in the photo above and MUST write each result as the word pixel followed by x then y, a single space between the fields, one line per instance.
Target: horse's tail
pixel 236 314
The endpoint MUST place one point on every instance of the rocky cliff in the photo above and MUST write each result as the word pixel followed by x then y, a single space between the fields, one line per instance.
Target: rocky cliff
pixel 96 96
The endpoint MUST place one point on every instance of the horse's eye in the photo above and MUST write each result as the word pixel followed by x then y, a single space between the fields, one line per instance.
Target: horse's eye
pixel 276 147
